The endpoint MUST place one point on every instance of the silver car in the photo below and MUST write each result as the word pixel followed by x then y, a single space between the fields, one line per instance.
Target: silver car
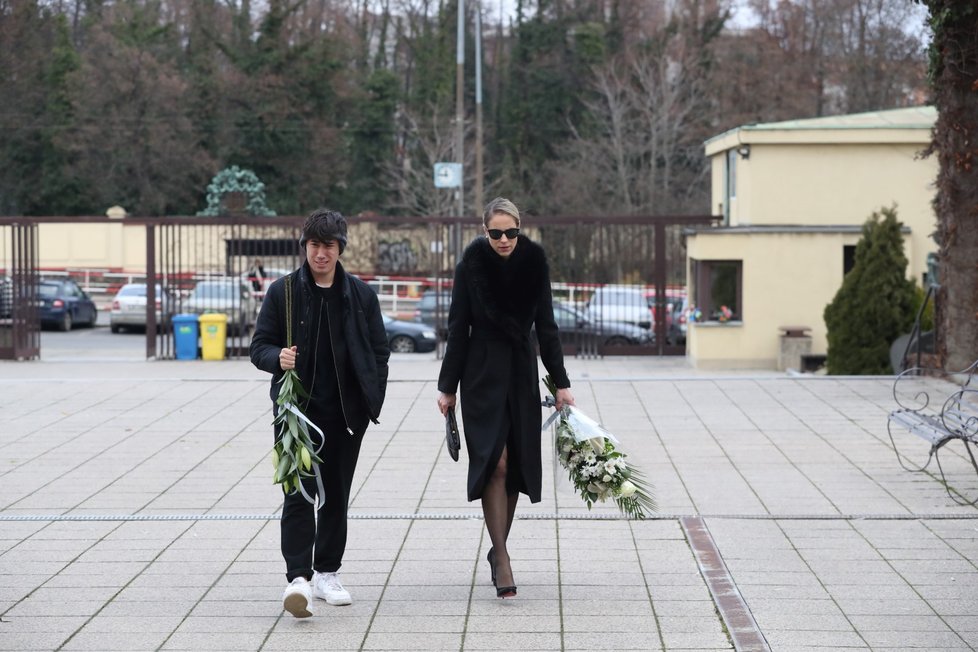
pixel 129 307
pixel 230 296
pixel 622 303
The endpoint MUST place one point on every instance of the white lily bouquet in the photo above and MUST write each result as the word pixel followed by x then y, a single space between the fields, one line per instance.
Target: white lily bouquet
pixel 293 454
pixel 594 464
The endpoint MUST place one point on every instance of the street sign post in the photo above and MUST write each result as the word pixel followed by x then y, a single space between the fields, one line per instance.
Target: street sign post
pixel 448 175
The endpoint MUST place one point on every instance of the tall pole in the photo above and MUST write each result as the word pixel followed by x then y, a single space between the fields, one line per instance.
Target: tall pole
pixel 460 123
pixel 479 200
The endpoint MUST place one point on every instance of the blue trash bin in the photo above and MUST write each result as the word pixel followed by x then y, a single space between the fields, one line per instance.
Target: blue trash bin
pixel 185 332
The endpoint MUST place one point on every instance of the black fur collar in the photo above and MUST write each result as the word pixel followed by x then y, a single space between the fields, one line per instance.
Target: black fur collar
pixel 508 288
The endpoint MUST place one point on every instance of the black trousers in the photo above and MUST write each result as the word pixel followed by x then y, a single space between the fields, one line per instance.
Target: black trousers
pixel 316 539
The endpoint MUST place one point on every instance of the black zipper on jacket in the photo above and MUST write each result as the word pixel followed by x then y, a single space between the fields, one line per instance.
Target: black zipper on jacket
pixel 336 369
pixel 315 353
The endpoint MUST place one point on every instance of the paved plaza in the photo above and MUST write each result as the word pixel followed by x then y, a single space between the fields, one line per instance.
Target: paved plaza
pixel 137 513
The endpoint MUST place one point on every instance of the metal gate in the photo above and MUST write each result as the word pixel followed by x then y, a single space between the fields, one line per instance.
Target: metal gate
pixel 213 266
pixel 19 316
pixel 622 278
pixel 618 282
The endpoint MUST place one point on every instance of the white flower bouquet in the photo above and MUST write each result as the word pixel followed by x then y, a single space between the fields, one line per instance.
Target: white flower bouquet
pixel 594 464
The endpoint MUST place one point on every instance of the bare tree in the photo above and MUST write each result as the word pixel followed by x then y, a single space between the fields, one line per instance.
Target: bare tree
pixel 640 149
pixel 642 154
pixel 424 140
pixel 837 56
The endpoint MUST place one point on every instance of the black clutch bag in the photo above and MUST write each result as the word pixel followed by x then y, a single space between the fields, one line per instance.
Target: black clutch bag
pixel 451 435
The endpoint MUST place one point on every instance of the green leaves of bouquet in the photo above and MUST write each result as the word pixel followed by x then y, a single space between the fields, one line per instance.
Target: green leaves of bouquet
pixel 597 468
pixel 293 454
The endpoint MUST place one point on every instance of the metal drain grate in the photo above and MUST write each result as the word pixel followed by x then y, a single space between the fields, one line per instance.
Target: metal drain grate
pixel 573 516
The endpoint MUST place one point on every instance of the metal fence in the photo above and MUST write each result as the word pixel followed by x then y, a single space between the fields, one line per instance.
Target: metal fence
pixel 19 315
pixel 618 282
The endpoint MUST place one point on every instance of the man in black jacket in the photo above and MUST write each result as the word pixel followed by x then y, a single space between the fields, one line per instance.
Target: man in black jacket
pixel 340 353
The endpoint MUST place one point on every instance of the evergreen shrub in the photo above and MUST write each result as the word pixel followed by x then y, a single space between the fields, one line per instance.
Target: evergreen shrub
pixel 875 304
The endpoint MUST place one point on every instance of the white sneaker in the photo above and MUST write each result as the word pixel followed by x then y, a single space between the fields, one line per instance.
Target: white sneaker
pixel 327 586
pixel 297 597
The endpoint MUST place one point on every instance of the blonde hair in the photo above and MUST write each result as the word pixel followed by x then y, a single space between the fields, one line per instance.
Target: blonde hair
pixel 500 205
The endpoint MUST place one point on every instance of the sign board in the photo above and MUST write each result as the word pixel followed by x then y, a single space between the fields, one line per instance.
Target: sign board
pixel 448 175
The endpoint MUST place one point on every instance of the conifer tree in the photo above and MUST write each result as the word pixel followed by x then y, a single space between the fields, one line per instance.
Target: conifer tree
pixel 371 147
pixel 874 306
pixel 37 59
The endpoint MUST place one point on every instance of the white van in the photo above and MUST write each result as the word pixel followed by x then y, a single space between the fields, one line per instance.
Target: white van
pixel 625 303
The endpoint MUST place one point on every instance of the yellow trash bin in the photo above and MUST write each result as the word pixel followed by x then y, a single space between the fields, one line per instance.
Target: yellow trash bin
pixel 213 335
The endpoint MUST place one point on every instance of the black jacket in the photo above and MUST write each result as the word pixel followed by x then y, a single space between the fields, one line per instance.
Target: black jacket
pixel 364 341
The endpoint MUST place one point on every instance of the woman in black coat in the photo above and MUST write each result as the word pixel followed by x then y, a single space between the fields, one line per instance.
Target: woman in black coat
pixel 502 288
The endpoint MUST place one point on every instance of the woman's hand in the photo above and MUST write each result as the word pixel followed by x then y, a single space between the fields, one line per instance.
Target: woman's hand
pixel 446 402
pixel 564 397
pixel 286 358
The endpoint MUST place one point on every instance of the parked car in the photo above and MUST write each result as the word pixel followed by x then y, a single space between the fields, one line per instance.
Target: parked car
pixel 433 304
pixel 409 337
pixel 622 303
pixel 63 304
pixel 573 324
pixel 129 307
pixel 675 317
pixel 231 296
pixel 680 315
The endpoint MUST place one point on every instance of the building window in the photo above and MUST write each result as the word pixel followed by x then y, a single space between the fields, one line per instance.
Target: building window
pixel 848 258
pixel 730 184
pixel 718 289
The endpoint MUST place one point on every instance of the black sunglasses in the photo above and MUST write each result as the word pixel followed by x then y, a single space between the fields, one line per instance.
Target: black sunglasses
pixel 496 234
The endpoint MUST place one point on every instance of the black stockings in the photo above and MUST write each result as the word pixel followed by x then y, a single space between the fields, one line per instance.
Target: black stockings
pixel 499 508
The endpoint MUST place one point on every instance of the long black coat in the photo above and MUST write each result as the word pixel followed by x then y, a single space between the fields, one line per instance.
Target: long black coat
pixel 495 302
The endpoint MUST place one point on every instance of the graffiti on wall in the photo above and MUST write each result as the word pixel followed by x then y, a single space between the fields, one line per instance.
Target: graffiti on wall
pixel 396 257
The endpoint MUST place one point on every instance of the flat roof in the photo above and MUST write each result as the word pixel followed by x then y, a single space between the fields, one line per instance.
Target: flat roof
pixel 912 124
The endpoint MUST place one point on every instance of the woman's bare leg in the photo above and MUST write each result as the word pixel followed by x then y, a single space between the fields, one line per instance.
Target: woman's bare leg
pixel 496 510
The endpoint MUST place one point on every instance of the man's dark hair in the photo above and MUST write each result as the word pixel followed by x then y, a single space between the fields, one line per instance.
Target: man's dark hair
pixel 324 225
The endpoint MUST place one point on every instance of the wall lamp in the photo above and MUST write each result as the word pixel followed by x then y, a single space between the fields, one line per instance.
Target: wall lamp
pixel 744 151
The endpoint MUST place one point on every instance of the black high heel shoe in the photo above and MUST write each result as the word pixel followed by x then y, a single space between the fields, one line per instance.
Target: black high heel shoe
pixel 501 591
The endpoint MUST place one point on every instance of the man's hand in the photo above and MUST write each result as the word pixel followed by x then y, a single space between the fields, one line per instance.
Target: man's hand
pixel 286 358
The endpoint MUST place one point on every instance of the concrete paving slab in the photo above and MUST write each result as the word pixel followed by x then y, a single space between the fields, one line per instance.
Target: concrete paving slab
pixel 620 640
pixel 416 641
pixel 227 641
pixel 828 541
pixel 310 640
